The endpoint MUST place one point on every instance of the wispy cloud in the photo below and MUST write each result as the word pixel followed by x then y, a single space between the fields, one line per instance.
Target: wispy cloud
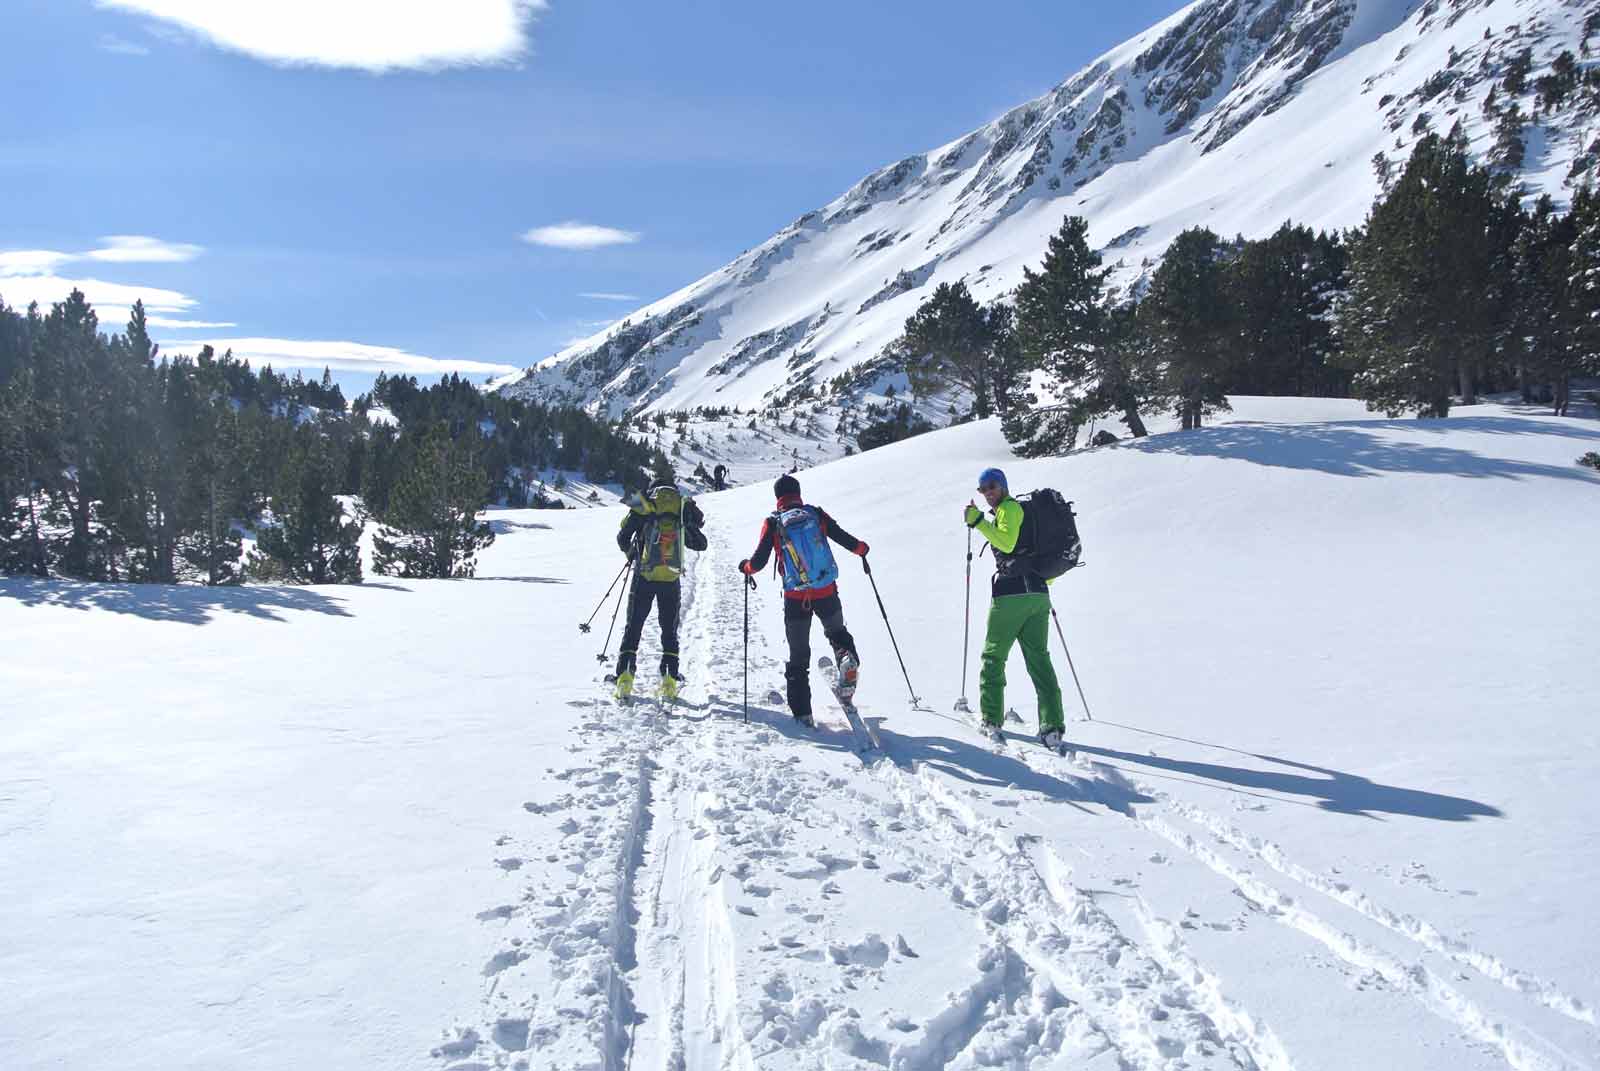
pixel 188 325
pixel 140 249
pixel 348 356
pixel 371 35
pixel 114 249
pixel 575 235
pixel 119 47
pixel 14 262
pixel 601 295
pixel 110 300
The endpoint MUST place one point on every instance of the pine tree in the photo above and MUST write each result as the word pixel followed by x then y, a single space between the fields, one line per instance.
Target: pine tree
pixel 1192 323
pixel 1430 282
pixel 431 527
pixel 947 342
pixel 311 539
pixel 1582 286
pixel 213 545
pixel 22 548
pixel 1284 288
pixel 1066 330
pixel 72 379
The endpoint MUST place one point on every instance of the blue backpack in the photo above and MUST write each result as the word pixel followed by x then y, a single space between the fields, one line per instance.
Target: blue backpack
pixel 807 562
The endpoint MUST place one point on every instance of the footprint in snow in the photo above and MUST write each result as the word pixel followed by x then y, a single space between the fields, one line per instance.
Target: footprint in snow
pixel 504 911
pixel 503 961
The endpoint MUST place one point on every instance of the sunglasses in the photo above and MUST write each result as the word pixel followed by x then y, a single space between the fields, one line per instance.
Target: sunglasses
pixel 985 488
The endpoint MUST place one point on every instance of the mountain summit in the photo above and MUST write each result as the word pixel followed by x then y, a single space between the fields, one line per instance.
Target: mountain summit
pixel 1233 114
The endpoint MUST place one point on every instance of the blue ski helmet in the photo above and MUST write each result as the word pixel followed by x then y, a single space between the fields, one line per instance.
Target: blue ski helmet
pixel 989 476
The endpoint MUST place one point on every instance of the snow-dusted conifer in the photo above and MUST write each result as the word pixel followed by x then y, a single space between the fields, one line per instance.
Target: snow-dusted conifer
pixel 1191 323
pixel 431 527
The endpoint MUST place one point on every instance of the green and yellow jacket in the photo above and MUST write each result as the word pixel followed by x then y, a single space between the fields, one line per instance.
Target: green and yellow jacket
pixel 1012 574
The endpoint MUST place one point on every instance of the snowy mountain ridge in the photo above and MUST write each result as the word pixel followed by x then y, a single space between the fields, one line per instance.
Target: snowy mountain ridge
pixel 1235 114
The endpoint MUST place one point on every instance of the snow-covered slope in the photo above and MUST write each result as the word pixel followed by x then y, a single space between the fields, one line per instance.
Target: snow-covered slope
pixel 1334 809
pixel 1234 114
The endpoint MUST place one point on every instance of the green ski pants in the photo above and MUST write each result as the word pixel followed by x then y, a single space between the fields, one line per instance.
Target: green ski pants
pixel 1025 618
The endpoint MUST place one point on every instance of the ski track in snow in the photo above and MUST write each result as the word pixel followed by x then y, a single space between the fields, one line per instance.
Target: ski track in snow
pixel 1521 1048
pixel 698 864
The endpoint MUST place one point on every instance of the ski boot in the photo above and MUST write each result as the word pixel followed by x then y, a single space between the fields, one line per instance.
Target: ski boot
pixel 1053 739
pixel 669 686
pixel 849 673
pixel 992 732
pixel 624 690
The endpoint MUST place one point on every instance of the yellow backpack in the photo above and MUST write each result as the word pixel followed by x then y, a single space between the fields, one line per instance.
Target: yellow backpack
pixel 661 537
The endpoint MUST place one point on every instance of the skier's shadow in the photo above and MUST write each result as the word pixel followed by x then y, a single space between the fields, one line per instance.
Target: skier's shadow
pixel 989 768
pixel 955 758
pixel 1329 790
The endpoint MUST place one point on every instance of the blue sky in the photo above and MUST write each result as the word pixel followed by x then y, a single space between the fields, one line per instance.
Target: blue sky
pixel 339 175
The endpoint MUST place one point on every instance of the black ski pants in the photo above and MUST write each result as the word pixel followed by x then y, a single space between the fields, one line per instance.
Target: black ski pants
pixel 664 593
pixel 797 614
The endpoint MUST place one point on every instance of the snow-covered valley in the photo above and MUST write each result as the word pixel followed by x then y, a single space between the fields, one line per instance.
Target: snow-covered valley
pixel 1333 810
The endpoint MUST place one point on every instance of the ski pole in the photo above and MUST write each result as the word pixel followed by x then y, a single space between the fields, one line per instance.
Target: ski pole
pixel 966 624
pixel 584 627
pixel 1070 666
pixel 601 657
pixel 915 702
pixel 749 585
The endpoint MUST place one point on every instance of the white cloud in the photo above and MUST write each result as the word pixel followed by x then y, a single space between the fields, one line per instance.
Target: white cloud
pixel 283 353
pixel 140 249
pixel 575 235
pixel 187 325
pixel 118 47
pixel 110 300
pixel 15 262
pixel 115 249
pixel 372 35
pixel 601 295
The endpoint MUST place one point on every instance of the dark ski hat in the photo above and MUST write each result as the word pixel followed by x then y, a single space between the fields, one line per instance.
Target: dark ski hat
pixel 786 486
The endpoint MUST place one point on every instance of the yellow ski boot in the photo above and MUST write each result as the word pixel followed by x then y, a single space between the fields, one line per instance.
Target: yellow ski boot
pixel 669 687
pixel 625 685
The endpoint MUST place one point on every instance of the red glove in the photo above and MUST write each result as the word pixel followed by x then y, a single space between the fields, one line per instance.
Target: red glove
pixel 861 548
pixel 746 568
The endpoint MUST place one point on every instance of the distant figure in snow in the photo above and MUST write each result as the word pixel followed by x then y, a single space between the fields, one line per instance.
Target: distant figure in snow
pixel 719 477
pixel 799 534
pixel 1019 610
pixel 660 523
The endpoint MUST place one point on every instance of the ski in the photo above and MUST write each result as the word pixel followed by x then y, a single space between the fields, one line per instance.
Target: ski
pixel 866 736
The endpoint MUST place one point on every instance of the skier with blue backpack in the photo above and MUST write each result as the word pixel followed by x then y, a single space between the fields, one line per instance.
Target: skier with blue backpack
pixel 798 534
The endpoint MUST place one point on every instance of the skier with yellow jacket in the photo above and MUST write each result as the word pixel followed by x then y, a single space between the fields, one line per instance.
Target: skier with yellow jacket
pixel 660 523
pixel 1018 611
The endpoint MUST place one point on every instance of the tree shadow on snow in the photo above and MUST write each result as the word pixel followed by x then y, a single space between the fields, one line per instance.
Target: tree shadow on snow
pixel 520 579
pixel 499 526
pixel 184 603
pixel 1359 449
pixel 1332 790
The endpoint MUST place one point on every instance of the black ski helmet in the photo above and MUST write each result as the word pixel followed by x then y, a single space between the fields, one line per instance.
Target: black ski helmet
pixel 786 485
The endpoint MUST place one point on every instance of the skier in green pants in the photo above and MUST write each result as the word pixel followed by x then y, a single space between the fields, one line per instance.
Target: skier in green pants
pixel 1019 610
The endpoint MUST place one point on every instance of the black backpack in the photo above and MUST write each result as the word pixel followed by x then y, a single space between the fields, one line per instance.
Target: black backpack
pixel 1048 542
